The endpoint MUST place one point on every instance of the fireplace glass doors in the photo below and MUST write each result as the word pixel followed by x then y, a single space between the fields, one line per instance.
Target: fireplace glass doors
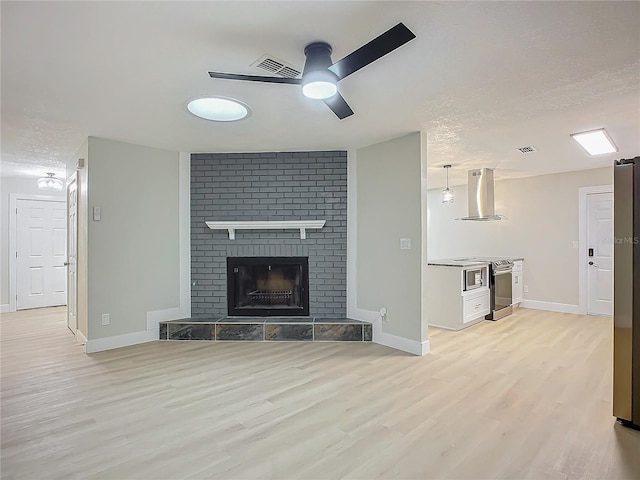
pixel 268 286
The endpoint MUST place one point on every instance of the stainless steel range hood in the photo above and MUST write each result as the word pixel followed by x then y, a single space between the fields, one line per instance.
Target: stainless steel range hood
pixel 481 199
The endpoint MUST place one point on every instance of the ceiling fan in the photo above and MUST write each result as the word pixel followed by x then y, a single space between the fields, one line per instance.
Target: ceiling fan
pixel 320 76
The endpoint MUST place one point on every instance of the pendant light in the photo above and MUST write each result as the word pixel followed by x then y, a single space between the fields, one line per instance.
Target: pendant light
pixel 447 193
pixel 50 182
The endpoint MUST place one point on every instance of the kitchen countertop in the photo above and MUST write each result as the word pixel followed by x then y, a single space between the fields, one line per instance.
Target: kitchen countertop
pixel 458 262
pixel 491 259
pixel 469 262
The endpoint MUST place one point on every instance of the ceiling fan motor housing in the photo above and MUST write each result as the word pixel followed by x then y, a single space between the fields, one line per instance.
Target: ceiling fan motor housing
pixel 318 57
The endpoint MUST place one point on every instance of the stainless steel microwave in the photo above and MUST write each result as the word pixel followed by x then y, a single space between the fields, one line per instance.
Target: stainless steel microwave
pixel 474 278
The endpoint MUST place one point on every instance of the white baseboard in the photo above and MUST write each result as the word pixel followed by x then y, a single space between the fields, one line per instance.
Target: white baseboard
pixel 80 338
pixel 401 343
pixel 5 308
pixel 552 307
pixel 363 315
pixel 154 317
pixel 109 343
pixel 388 339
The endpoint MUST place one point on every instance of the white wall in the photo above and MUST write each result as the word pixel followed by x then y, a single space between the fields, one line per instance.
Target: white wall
pixel 8 186
pixel 134 251
pixel 542 226
pixel 388 186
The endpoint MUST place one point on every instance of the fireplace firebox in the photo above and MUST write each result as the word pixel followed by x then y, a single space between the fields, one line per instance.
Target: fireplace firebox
pixel 268 286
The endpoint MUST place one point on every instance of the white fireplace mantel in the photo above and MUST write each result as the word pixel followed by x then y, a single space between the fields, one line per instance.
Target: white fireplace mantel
pixel 301 225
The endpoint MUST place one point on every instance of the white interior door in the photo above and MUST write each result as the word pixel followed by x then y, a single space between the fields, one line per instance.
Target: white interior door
pixel 41 276
pixel 600 254
pixel 72 249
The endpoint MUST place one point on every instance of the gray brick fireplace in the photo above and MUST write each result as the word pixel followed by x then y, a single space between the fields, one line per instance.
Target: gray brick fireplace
pixel 272 187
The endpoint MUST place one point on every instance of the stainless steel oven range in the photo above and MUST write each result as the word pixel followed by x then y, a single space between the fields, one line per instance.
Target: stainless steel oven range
pixel 500 289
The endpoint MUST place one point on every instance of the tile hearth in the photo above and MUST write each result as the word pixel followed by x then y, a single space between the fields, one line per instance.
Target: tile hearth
pixel 270 329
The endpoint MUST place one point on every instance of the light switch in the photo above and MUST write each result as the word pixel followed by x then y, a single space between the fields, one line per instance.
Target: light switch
pixel 405 244
pixel 96 214
pixel 575 244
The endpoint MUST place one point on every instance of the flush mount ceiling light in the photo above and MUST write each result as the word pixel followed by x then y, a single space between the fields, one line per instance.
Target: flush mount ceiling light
pixel 218 109
pixel 50 182
pixel 447 194
pixel 595 142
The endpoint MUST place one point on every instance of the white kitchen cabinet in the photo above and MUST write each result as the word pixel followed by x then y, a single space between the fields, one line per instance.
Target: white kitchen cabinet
pixel 516 283
pixel 448 305
pixel 475 304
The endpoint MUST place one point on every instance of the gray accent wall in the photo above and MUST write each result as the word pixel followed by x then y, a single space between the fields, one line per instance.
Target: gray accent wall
pixel 133 251
pixel 389 208
pixel 269 186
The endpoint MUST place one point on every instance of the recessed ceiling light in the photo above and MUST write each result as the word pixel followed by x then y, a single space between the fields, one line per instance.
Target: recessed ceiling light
pixel 595 142
pixel 218 109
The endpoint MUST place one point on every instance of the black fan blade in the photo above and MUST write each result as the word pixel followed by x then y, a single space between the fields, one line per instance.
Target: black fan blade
pixel 372 51
pixel 255 78
pixel 339 106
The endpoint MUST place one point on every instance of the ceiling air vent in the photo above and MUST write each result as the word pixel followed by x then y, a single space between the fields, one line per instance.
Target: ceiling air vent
pixel 277 66
pixel 527 149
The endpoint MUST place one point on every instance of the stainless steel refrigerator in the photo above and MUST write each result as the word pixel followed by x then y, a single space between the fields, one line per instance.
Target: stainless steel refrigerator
pixel 626 297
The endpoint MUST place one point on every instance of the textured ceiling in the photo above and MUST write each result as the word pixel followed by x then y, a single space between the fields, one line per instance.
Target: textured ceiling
pixel 481 79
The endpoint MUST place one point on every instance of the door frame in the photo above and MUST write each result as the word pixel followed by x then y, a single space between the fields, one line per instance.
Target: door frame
pixel 583 193
pixel 13 234
pixel 73 178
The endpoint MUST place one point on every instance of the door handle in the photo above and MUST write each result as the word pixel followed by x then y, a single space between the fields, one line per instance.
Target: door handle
pixel 591 263
pixel 66 264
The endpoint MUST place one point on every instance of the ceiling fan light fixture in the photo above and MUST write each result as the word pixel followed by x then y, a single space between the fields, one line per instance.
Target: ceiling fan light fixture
pixel 218 109
pixel 320 74
pixel 50 182
pixel 319 84
pixel 319 90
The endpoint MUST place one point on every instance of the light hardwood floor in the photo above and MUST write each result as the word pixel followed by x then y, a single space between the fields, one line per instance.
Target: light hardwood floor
pixel 528 396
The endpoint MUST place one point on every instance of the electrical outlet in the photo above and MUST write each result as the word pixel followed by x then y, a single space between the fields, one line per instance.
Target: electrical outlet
pixel 526 289
pixel 106 319
pixel 405 244
pixel 384 314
